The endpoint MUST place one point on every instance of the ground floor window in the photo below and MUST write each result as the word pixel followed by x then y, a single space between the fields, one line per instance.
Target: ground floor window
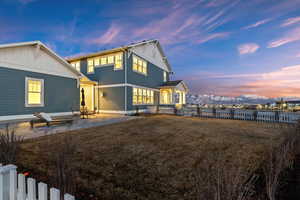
pixel 34 92
pixel 142 96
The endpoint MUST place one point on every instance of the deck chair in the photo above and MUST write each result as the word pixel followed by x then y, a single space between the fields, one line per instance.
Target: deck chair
pixel 45 118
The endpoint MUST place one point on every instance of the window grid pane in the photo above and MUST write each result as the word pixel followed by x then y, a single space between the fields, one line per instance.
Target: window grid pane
pixel 110 60
pixel 34 92
pixel 139 65
pixel 142 96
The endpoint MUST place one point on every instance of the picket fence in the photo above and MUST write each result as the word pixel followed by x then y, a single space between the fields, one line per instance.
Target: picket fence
pixel 13 187
pixel 237 114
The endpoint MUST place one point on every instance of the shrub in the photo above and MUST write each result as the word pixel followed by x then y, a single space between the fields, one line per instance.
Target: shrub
pixel 9 146
pixel 279 159
pixel 218 178
pixel 65 175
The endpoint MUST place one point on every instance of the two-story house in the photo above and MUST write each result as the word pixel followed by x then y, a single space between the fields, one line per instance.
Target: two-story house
pixel 122 79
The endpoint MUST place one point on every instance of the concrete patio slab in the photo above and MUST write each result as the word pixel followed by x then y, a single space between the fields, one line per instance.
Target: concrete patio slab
pixel 24 129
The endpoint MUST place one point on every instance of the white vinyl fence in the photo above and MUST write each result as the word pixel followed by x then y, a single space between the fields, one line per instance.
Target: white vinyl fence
pixel 15 186
pixel 238 114
pixel 253 115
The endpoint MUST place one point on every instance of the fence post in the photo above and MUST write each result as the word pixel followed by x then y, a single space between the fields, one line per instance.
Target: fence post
pixel 31 187
pixel 232 113
pixel 5 181
pixel 255 113
pixel 54 194
pixel 13 183
pixel 21 187
pixel 69 197
pixel 42 191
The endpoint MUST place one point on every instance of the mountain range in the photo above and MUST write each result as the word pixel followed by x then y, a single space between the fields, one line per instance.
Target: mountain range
pixel 243 99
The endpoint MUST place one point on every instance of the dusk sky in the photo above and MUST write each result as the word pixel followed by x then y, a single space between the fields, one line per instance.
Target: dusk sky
pixel 223 47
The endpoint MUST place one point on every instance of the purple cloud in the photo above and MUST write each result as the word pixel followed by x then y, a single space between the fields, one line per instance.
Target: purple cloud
pixel 248 48
pixel 289 37
pixel 259 23
pixel 291 21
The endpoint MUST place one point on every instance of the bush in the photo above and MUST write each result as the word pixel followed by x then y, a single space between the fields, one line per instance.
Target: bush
pixel 219 178
pixel 279 159
pixel 9 146
pixel 66 174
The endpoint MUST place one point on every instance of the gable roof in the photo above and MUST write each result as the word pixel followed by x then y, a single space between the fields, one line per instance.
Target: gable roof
pixel 40 45
pixel 123 48
pixel 174 84
pixel 171 83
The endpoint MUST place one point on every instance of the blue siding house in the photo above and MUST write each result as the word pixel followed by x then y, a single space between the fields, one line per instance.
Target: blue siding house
pixel 35 79
pixel 122 79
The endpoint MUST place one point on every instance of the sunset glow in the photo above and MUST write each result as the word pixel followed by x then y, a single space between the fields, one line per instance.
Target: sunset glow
pixel 217 46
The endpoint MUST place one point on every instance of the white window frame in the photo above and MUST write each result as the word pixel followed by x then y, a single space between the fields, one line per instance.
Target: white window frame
pixel 87 69
pixel 122 61
pixel 143 97
pixel 42 104
pixel 76 64
pixel 143 60
pixel 106 58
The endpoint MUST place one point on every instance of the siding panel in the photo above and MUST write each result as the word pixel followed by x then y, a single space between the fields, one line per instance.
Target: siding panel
pixel 61 94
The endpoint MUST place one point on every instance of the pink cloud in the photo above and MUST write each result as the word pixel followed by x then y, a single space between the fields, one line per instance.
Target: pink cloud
pixel 108 37
pixel 259 23
pixel 248 48
pixel 212 37
pixel 176 25
pixel 282 82
pixel 291 21
pixel 291 36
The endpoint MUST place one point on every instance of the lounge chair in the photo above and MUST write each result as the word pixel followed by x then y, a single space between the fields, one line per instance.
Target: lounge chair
pixel 45 118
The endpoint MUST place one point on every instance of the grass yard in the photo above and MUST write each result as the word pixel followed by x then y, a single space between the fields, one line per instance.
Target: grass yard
pixel 148 158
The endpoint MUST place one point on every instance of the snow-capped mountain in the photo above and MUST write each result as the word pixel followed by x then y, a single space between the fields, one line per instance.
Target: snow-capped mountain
pixel 243 99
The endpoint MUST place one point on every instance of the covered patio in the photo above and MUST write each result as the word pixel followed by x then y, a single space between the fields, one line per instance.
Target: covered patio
pixel 173 93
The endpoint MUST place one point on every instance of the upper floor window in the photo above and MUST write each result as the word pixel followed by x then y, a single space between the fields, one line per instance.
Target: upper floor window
pixel 165 76
pixel 34 92
pixel 90 66
pixel 118 61
pixel 139 65
pixel 76 65
pixel 107 60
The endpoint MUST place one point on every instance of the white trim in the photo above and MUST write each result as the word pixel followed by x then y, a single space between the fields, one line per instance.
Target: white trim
pixel 125 84
pixel 22 118
pixel 47 50
pixel 42 104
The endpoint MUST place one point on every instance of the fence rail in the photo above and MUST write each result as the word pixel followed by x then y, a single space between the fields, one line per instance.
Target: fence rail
pixel 14 186
pixel 237 114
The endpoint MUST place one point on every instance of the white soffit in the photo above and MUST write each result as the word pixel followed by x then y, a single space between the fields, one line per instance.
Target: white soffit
pixel 34 58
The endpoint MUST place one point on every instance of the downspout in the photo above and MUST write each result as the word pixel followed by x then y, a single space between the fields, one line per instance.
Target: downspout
pixel 125 82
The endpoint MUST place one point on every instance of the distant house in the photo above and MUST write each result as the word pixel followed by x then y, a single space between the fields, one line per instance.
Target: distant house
pixel 35 79
pixel 122 79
